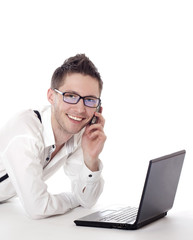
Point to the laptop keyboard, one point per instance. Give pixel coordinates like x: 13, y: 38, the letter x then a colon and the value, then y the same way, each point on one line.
x: 124, y: 215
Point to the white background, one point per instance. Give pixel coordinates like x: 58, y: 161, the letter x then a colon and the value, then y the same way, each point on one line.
x: 144, y: 52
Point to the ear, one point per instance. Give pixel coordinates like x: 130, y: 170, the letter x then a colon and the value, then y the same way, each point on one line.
x: 50, y: 95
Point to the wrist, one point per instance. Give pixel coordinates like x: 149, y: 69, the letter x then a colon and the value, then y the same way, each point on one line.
x: 92, y: 164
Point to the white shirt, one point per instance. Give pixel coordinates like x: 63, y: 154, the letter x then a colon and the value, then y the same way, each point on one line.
x: 26, y: 146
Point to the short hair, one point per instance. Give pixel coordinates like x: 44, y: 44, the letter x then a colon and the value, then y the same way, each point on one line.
x: 80, y: 63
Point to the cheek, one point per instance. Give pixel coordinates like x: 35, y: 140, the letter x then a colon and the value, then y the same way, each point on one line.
x: 59, y: 109
x: 61, y: 106
x: 64, y: 108
x: 90, y: 113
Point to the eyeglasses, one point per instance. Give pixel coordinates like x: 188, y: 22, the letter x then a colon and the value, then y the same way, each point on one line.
x: 74, y: 98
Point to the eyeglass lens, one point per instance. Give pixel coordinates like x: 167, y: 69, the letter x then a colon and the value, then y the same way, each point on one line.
x: 74, y: 98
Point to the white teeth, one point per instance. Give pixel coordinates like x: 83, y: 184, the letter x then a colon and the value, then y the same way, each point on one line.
x: 75, y: 118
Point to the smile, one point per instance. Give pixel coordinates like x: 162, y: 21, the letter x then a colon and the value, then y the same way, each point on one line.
x: 75, y: 118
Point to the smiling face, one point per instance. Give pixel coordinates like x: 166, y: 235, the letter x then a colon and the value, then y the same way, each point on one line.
x: 68, y: 118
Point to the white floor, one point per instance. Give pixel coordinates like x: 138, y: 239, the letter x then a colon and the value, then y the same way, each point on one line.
x: 16, y: 225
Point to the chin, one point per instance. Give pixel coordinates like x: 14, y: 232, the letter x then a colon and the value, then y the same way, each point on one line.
x: 75, y: 130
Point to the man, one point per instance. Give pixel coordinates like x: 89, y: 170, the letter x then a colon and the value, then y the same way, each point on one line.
x: 34, y: 145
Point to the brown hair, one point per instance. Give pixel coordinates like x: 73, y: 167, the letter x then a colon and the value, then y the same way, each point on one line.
x: 77, y: 64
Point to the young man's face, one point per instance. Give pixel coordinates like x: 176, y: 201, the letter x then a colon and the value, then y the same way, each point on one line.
x: 71, y: 118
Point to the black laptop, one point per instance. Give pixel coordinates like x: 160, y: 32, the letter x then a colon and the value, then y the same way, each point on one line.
x: 157, y: 197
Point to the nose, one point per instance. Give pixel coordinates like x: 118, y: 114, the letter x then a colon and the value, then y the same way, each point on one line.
x: 80, y: 106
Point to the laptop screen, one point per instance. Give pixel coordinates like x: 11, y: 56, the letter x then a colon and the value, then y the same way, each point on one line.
x: 160, y: 185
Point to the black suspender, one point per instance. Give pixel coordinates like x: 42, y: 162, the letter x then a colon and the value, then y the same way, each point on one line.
x: 38, y: 114
x: 6, y: 175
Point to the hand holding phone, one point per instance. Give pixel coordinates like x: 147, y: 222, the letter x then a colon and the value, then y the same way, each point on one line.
x: 93, y: 140
x: 95, y: 119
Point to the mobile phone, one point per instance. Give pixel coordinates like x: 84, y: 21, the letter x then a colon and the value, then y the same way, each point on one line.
x: 95, y: 119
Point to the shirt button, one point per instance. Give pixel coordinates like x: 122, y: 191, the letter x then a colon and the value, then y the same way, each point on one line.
x: 47, y: 159
x: 90, y: 175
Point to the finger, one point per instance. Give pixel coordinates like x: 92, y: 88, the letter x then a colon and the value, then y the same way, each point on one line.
x: 95, y: 127
x: 97, y: 134
x: 100, y: 117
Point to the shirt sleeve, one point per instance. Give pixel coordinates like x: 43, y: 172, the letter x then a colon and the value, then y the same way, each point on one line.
x: 26, y: 174
x: 87, y: 186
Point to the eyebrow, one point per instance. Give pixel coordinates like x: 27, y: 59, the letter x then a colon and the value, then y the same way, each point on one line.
x: 70, y: 91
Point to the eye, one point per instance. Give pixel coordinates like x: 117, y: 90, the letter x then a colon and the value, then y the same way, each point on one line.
x: 91, y: 102
x: 71, y: 95
x: 91, y: 99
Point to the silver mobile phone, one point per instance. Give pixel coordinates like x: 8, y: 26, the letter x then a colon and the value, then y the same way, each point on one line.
x: 95, y: 119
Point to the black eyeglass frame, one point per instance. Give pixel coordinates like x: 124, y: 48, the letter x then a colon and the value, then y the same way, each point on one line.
x: 80, y: 97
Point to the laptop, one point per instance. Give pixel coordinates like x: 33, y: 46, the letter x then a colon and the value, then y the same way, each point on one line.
x: 157, y: 197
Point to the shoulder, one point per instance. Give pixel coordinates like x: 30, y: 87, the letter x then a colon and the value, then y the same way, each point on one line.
x: 26, y: 121
x: 23, y: 123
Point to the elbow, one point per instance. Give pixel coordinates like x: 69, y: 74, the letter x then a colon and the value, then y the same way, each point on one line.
x: 34, y: 215
x: 35, y: 211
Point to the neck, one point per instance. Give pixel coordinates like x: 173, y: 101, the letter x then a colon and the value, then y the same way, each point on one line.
x: 61, y: 137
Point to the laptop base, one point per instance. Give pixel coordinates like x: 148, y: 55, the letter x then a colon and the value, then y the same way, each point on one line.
x: 124, y: 226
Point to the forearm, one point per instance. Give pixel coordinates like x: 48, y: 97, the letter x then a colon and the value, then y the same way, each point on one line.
x: 50, y: 205
x: 88, y: 186
x: 26, y: 175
